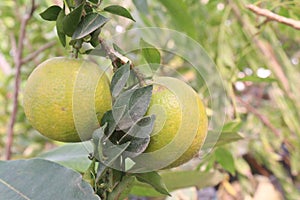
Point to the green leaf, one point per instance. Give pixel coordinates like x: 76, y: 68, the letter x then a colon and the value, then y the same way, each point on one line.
x: 155, y: 180
x: 230, y: 133
x: 97, y: 140
x: 225, y: 159
x: 88, y: 24
x: 90, y: 174
x: 74, y: 156
x: 51, y: 13
x: 118, y: 49
x: 104, y: 150
x: 88, y: 9
x: 119, y: 79
x: 119, y: 10
x: 228, y: 137
x: 95, y: 39
x: 137, y: 102
x: 70, y: 3
x: 139, y: 136
x: 100, y: 171
x: 59, y: 27
x: 122, y: 190
x: 72, y: 20
x: 257, y: 79
x: 179, y: 179
x: 233, y: 126
x: 112, y: 117
x: 42, y: 179
x: 151, y: 54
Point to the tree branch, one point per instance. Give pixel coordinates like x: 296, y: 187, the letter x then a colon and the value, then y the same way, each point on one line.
x: 37, y: 52
x: 274, y: 17
x: 260, y: 116
x: 117, y: 59
x: 265, y: 48
x: 18, y: 63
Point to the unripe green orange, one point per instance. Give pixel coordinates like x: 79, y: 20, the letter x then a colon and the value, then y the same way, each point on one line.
x: 178, y: 114
x: 65, y: 98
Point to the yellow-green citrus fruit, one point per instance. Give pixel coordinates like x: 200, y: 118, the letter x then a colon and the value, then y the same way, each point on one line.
x: 169, y: 110
x: 64, y: 98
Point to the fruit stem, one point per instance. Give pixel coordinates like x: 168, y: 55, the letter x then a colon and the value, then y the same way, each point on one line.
x: 75, y: 53
x: 118, y: 59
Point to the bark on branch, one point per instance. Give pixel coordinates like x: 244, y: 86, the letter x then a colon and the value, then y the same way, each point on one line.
x: 274, y: 17
x: 18, y: 53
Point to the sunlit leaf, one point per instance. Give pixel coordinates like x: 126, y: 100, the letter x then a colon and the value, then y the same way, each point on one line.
x: 42, y: 179
x: 119, y: 10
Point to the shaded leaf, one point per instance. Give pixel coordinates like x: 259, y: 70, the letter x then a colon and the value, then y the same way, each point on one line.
x: 95, y: 39
x: 74, y: 156
x: 100, y: 171
x: 88, y: 24
x: 137, y: 102
x: 112, y: 117
x: 139, y: 136
x: 72, y: 20
x: 155, y: 180
x: 59, y: 27
x: 119, y: 79
x: 94, y: 1
x: 51, y: 13
x: 119, y: 10
x: 179, y: 179
x: 104, y: 150
x: 42, y: 179
x: 88, y: 9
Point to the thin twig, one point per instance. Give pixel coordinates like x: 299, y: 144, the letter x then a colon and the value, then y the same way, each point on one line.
x: 265, y: 48
x: 117, y: 59
x: 18, y: 63
x: 33, y: 55
x: 274, y: 17
x: 263, y: 118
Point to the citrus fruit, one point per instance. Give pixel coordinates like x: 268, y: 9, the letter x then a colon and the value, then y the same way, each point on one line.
x: 64, y: 98
x: 180, y: 114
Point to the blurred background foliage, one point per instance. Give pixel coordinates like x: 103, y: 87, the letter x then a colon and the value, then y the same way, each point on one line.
x: 257, y: 59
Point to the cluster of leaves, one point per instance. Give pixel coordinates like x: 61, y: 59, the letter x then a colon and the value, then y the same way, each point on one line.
x: 83, y: 22
x: 124, y: 134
